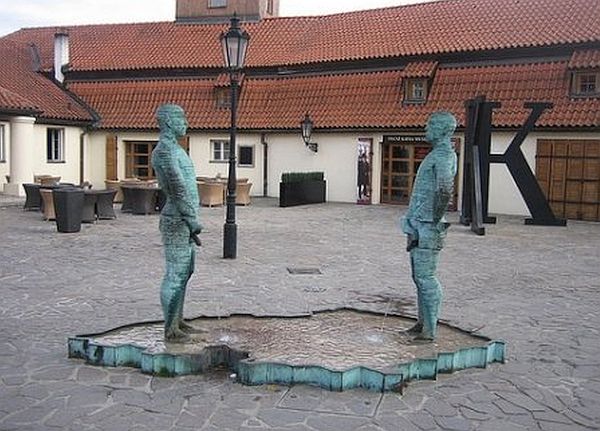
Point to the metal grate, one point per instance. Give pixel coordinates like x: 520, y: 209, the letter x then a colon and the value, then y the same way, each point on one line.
x: 303, y: 271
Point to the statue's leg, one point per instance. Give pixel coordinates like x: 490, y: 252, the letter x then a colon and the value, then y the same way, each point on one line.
x: 429, y: 289
x: 417, y: 328
x: 172, y: 293
x: 180, y: 321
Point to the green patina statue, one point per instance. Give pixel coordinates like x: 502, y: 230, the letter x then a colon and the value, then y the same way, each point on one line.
x: 424, y: 222
x: 179, y: 223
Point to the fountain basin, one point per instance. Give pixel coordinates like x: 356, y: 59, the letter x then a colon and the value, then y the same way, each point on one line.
x: 336, y: 349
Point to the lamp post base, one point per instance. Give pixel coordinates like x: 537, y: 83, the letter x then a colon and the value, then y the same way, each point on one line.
x: 229, y: 241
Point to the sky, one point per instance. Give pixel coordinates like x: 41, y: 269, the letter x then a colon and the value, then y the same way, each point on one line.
x: 16, y: 14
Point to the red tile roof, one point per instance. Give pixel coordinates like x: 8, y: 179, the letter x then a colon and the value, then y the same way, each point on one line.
x: 419, y: 69
x: 583, y: 59
x: 23, y: 89
x: 422, y: 29
x: 353, y: 100
x: 10, y: 101
x: 133, y: 104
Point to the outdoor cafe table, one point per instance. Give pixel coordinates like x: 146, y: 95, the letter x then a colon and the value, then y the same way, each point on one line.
x: 98, y: 204
x: 141, y: 199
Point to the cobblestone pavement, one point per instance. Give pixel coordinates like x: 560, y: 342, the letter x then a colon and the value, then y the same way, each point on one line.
x: 535, y: 287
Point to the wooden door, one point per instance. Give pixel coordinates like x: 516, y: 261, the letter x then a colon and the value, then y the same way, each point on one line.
x: 397, y: 173
x: 569, y: 174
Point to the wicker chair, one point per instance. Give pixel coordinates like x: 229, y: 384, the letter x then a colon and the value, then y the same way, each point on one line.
x: 49, y: 180
x: 242, y: 193
x: 211, y: 194
x: 48, y: 199
x: 115, y: 185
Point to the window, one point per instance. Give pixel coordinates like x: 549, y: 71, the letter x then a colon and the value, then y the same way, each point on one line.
x: 416, y: 90
x: 138, y: 159
x: 2, y: 144
x: 55, y: 145
x: 270, y: 7
x: 585, y: 83
x: 246, y: 156
x: 217, y: 3
x: 223, y: 97
x: 220, y: 150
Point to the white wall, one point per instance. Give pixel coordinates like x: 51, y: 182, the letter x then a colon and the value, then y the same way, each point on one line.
x: 200, y: 152
x: 337, y: 157
x: 5, y: 166
x: 69, y: 170
x: 505, y: 197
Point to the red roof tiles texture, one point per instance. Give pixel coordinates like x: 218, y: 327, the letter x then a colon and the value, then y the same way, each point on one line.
x: 584, y: 59
x: 353, y: 100
x: 429, y: 28
x: 419, y: 69
x: 26, y: 90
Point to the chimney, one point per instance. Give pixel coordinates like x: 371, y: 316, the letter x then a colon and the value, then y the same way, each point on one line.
x: 61, y: 54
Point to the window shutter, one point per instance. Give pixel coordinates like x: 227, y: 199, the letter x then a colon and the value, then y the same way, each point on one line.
x: 185, y: 143
x: 111, y: 157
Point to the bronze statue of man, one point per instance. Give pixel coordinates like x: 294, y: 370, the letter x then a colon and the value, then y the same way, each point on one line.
x: 425, y: 224
x: 179, y: 223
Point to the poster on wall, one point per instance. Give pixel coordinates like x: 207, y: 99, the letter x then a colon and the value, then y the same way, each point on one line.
x: 364, y: 171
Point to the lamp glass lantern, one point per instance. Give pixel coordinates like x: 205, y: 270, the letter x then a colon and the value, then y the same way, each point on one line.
x: 307, y: 127
x: 234, y: 44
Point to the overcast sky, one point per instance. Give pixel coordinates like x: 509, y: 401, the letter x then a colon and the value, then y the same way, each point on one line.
x: 16, y: 14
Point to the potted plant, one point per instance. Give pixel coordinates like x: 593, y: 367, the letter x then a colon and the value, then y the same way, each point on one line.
x: 301, y: 188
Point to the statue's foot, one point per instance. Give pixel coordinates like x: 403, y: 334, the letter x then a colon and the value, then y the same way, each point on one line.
x: 423, y: 338
x: 416, y: 329
x: 176, y: 336
x: 189, y: 329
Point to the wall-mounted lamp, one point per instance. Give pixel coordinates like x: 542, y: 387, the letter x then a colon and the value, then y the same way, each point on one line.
x: 307, y: 127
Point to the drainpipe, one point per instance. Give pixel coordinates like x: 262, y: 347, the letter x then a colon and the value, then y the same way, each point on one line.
x: 263, y: 140
x: 61, y: 54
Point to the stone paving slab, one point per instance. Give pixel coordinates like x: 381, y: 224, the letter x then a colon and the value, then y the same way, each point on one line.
x: 535, y: 287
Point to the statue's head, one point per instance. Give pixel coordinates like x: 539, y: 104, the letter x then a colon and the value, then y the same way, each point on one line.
x: 440, y: 127
x: 172, y: 117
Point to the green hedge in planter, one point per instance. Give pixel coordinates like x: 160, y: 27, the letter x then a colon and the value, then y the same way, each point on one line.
x: 300, y: 188
x: 296, y: 177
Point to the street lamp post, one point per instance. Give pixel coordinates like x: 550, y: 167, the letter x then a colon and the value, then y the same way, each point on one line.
x: 234, y: 43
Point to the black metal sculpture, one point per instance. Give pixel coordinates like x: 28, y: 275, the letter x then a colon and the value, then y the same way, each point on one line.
x: 478, y: 138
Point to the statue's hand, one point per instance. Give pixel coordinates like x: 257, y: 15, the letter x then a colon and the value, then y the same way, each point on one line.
x: 411, y: 242
x: 195, y: 227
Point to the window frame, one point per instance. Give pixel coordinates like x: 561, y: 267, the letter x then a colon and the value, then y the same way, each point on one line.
x: 223, y: 97
x: 2, y: 143
x: 223, y: 153
x: 131, y: 162
x: 55, y: 148
x: 410, y: 89
x: 217, y: 4
x: 239, y: 151
x: 576, y: 83
x: 270, y: 7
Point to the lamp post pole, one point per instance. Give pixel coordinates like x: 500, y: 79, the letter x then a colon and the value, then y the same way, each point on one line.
x: 230, y: 228
x: 234, y: 43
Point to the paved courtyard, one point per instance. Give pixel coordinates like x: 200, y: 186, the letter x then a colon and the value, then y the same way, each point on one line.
x: 538, y: 288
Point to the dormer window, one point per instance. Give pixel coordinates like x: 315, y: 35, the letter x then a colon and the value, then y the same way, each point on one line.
x: 416, y: 90
x: 585, y: 73
x: 223, y: 97
x: 585, y: 83
x: 417, y: 77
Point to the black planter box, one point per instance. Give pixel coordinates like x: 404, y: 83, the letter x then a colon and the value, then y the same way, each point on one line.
x: 68, y: 205
x: 302, y: 193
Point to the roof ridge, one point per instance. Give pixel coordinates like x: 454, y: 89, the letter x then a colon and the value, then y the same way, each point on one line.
x: 421, y: 3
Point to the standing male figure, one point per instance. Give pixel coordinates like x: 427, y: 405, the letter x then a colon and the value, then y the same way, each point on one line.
x: 424, y: 222
x: 178, y: 219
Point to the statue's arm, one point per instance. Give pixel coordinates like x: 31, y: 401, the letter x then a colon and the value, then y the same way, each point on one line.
x: 444, y: 185
x: 180, y: 197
